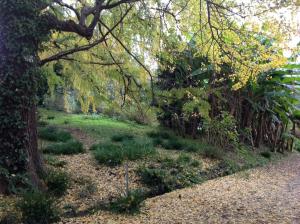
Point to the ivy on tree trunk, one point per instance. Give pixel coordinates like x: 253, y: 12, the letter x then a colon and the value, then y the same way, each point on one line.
x: 21, y: 33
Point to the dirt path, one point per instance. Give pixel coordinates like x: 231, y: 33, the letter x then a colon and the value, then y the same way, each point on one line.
x: 264, y: 195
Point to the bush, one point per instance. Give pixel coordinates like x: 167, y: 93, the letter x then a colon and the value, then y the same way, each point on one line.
x: 136, y: 150
x: 223, y: 168
x: 191, y: 148
x: 222, y: 131
x: 54, y: 134
x: 157, y: 141
x: 65, y: 148
x: 53, y: 161
x: 212, y: 152
x: 162, y: 134
x: 37, y: 208
x: 113, y: 154
x: 266, y: 154
x: 50, y: 117
x: 121, y: 137
x: 42, y: 123
x: 170, y: 174
x: 173, y: 143
x: 128, y: 204
x: 297, y: 144
x: 87, y: 190
x: 108, y: 154
x: 10, y: 218
x: 57, y: 182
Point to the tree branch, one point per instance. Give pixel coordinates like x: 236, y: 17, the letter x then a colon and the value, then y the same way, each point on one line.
x: 84, y: 47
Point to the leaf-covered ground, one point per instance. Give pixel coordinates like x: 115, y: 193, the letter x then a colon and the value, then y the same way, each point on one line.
x: 263, y: 195
x: 250, y: 196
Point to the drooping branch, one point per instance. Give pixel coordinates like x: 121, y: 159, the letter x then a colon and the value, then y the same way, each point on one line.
x: 133, y: 56
x: 92, y: 62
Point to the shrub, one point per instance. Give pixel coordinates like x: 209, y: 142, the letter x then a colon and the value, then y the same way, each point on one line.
x: 222, y: 132
x: 136, y: 150
x: 223, y: 168
x: 184, y: 158
x: 53, y: 161
x: 191, y: 148
x: 212, y: 152
x: 113, y: 154
x: 121, y: 137
x: 65, y: 148
x: 10, y: 218
x: 50, y: 117
x: 266, y: 154
x: 37, y: 208
x: 162, y: 134
x: 170, y: 174
x: 54, y: 134
x: 42, y: 123
x: 87, y: 190
x: 173, y: 143
x: 130, y: 203
x: 108, y: 154
x: 157, y: 141
x: 57, y: 182
x: 297, y: 145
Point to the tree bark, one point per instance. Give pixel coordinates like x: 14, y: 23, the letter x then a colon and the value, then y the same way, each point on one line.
x: 35, y: 163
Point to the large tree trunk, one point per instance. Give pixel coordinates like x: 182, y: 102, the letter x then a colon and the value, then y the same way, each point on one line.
x: 18, y: 131
x: 35, y: 164
x: 21, y: 32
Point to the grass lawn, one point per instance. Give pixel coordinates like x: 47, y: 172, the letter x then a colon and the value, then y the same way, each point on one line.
x: 99, y: 127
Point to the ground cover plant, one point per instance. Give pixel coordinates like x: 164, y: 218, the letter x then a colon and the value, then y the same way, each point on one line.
x: 64, y: 148
x: 129, y: 203
x: 37, y: 207
x: 170, y: 174
x: 54, y: 134
x: 114, y: 154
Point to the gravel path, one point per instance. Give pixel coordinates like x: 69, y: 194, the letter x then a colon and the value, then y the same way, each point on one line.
x: 263, y: 195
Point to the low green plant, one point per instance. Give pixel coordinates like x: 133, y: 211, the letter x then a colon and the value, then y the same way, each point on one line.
x: 157, y: 141
x: 212, y: 152
x: 170, y: 174
x: 173, y: 143
x: 266, y: 154
x: 134, y: 150
x: 114, y: 154
x: 65, y: 148
x: 108, y: 154
x: 223, y: 168
x: 222, y: 131
x: 54, y: 134
x: 159, y: 134
x: 37, y: 207
x: 87, y: 190
x: 130, y: 203
x: 297, y: 145
x: 53, y: 161
x: 191, y: 148
x: 57, y: 182
x: 50, y: 117
x: 10, y: 218
x: 121, y: 137
x: 42, y: 123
